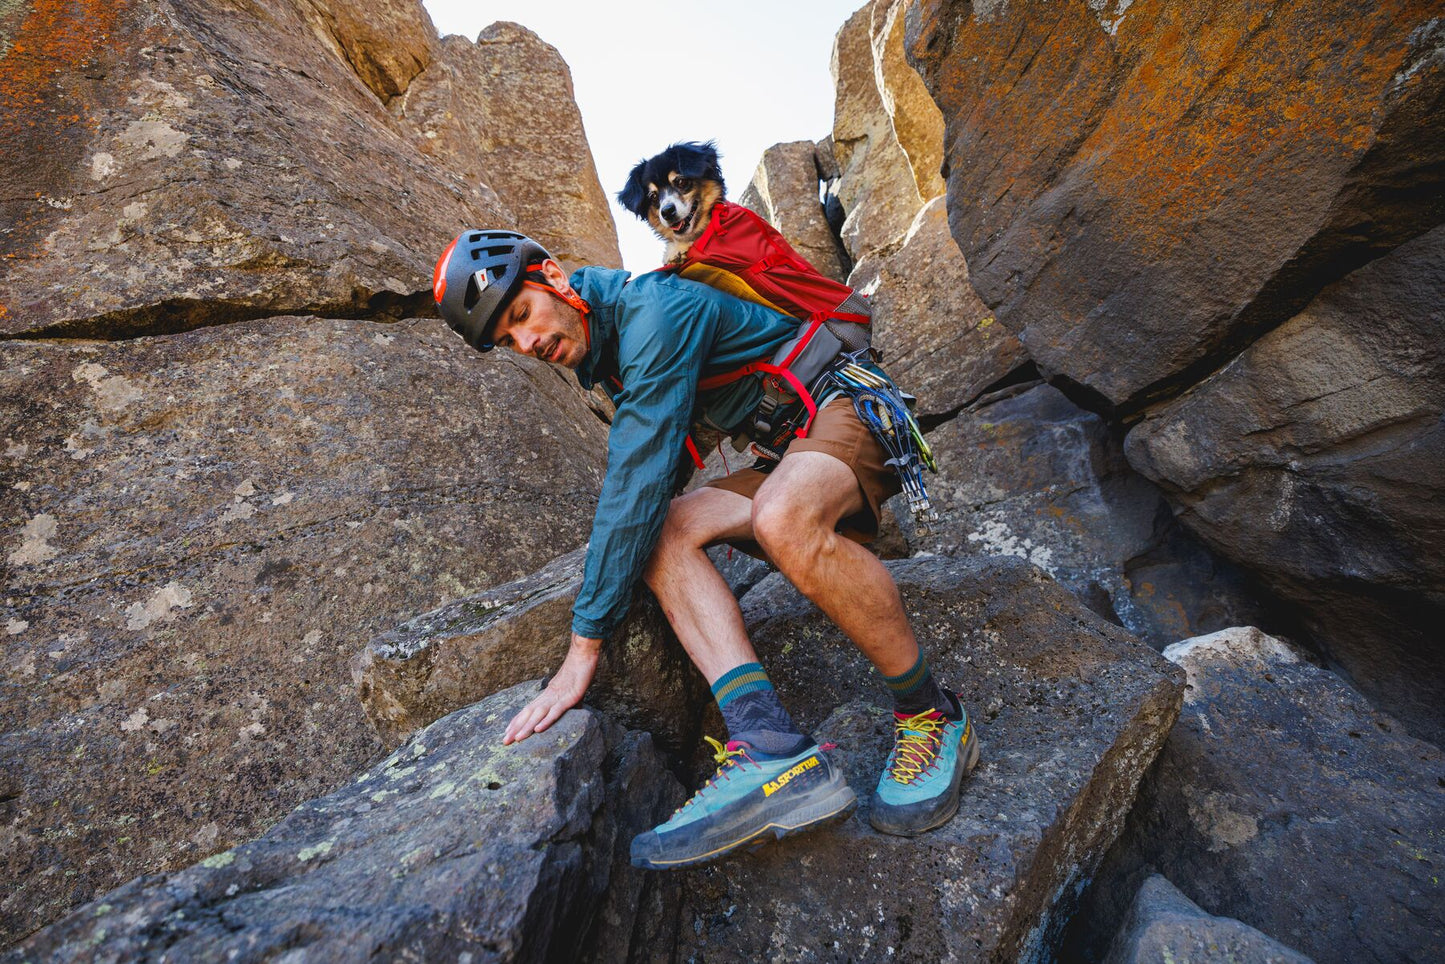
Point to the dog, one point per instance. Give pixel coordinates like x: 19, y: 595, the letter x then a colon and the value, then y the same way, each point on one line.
x: 674, y: 192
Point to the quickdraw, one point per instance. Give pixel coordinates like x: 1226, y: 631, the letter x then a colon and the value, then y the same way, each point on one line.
x: 885, y: 410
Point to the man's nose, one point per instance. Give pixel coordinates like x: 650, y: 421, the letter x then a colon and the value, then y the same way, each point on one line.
x: 525, y: 341
x: 669, y: 210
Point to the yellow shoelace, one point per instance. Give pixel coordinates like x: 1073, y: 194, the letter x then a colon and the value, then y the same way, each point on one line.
x: 725, y: 758
x: 918, y: 739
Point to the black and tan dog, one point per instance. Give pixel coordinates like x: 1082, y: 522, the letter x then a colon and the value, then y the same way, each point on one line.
x: 675, y: 192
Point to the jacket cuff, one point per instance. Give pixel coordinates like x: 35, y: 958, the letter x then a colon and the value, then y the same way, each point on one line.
x: 590, y: 628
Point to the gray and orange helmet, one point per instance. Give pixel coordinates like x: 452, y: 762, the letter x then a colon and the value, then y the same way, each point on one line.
x: 476, y: 277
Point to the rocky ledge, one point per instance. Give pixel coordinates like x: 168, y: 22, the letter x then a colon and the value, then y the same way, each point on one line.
x: 452, y: 847
x: 1070, y: 709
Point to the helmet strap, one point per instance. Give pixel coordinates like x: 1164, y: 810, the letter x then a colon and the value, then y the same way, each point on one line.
x: 570, y: 297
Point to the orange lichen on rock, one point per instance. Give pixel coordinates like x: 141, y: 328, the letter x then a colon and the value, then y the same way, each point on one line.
x: 55, y: 39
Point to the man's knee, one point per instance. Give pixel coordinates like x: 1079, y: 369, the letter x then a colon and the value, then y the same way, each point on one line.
x: 685, y: 528
x: 789, y: 529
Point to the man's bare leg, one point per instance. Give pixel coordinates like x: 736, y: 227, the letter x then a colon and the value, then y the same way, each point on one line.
x: 794, y: 515
x: 745, y: 805
x: 695, y: 597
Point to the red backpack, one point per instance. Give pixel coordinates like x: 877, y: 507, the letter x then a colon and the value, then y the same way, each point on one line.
x: 743, y: 255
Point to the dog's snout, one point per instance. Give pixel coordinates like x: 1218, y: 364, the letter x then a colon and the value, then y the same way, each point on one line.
x: 669, y: 211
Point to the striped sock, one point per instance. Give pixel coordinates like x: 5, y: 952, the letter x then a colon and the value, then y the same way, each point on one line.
x: 916, y: 691
x: 750, y: 705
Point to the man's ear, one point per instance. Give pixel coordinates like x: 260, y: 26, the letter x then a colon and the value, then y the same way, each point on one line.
x: 555, y: 276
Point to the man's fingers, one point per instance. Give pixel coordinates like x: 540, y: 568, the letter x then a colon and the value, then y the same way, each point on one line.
x: 521, y: 726
x: 536, y: 716
x: 553, y: 714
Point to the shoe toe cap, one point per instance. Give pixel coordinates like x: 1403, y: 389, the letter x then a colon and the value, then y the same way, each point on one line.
x: 645, y: 847
x: 912, y: 816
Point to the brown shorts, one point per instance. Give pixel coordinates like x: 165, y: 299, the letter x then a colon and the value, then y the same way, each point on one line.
x: 838, y: 432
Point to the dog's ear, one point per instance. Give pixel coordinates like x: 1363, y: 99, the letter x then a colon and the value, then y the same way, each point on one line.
x: 633, y: 195
x: 698, y: 160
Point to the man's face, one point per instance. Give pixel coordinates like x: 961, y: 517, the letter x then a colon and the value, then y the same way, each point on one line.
x: 542, y: 325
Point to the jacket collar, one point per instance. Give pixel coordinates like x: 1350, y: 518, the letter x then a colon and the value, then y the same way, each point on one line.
x: 601, y: 288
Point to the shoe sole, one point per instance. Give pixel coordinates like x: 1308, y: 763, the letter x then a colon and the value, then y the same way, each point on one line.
x: 973, y: 750
x: 833, y: 809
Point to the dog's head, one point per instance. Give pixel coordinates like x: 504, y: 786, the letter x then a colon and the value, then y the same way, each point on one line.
x: 675, y: 191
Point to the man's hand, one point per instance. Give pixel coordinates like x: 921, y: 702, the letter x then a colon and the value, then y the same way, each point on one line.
x: 562, y: 693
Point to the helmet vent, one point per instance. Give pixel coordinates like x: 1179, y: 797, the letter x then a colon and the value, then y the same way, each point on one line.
x: 474, y: 292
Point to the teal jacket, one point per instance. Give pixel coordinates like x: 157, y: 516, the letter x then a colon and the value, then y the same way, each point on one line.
x: 657, y: 335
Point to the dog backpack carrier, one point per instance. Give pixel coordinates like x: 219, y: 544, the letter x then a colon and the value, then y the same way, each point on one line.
x: 743, y: 255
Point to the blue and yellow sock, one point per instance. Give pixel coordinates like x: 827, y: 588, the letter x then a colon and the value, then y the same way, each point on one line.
x: 916, y: 691
x: 752, y: 711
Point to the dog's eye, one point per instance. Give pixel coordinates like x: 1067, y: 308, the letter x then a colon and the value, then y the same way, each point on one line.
x: 683, y: 183
x: 652, y: 199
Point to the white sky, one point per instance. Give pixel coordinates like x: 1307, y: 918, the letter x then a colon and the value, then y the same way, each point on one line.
x: 747, y: 74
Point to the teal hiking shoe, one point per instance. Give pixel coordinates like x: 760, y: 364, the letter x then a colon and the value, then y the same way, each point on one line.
x: 919, y: 788
x: 752, y: 798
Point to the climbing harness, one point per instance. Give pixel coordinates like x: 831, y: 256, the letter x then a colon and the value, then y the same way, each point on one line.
x: 741, y: 254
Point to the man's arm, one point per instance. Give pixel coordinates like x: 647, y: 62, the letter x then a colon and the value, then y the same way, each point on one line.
x: 662, y: 349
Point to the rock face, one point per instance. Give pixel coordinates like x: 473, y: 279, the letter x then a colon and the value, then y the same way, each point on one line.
x: 458, y: 654
x: 388, y: 43
x: 938, y: 340
x: 453, y: 847
x: 784, y: 192
x: 1164, y: 926
x: 916, y: 120
x: 877, y: 187
x: 1027, y: 473
x: 1315, y: 458
x: 1282, y: 799
x: 158, y: 189
x: 1204, y: 173
x: 1225, y: 220
x: 1070, y: 710
x: 502, y: 111
x: 202, y: 529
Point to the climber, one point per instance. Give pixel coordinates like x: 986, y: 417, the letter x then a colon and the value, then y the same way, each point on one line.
x: 648, y: 341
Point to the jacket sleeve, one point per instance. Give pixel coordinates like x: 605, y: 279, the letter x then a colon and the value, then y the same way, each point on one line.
x: 661, y: 349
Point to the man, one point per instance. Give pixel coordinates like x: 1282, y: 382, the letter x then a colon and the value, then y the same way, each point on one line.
x: 650, y: 340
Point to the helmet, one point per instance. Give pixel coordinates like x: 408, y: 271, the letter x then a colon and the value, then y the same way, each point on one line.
x: 476, y: 277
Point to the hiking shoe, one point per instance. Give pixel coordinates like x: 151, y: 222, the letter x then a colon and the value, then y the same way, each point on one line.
x: 919, y: 788
x: 752, y: 798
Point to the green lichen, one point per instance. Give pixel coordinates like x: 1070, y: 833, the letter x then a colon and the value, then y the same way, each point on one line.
x: 217, y: 861
x: 307, y: 853
x: 487, y: 775
x: 443, y: 790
